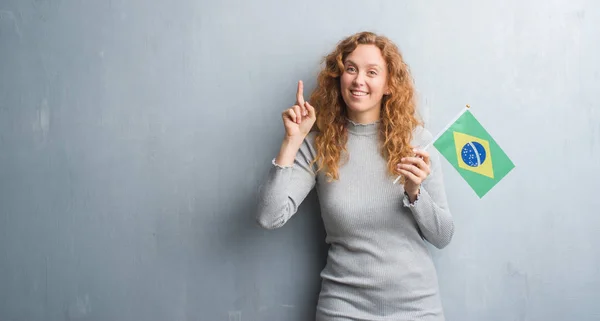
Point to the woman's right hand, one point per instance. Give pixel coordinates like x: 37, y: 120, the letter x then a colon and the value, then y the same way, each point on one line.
x: 300, y: 118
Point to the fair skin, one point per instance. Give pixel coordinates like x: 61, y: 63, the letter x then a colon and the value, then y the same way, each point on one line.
x: 363, y: 85
x: 415, y: 169
x: 297, y: 120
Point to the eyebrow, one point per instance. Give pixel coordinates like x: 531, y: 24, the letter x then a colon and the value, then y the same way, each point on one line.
x: 370, y: 65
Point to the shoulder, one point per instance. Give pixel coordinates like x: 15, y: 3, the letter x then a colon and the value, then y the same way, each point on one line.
x: 308, y: 145
x: 310, y: 138
x: 421, y: 136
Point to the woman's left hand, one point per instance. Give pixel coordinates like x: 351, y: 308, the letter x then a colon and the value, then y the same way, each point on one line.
x: 415, y: 170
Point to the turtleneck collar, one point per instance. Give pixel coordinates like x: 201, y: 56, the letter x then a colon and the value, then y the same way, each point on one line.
x: 363, y: 129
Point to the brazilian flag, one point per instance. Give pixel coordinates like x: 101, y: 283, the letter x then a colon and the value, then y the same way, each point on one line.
x: 473, y: 153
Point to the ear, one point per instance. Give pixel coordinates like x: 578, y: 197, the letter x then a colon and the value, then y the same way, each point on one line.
x: 386, y: 90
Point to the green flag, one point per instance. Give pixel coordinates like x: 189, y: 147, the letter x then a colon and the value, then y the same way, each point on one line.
x: 473, y: 153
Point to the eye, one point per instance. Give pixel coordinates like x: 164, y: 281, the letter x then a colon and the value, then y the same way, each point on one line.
x: 350, y: 69
x: 373, y: 72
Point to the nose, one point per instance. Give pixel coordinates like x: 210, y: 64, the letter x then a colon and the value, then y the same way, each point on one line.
x: 359, y: 80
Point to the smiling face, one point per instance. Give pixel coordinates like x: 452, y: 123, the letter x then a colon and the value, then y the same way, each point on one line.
x: 364, y: 83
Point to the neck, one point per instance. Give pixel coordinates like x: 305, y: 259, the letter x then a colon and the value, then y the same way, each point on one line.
x: 366, y: 117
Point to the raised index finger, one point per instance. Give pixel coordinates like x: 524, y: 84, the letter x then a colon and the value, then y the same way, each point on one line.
x: 300, y: 94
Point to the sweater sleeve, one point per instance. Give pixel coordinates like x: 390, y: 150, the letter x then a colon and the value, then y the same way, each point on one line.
x: 430, y: 209
x: 286, y: 187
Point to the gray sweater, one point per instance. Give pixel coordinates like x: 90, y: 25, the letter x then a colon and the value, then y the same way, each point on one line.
x: 378, y: 265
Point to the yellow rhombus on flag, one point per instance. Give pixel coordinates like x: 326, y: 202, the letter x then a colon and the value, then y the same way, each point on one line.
x: 473, y: 153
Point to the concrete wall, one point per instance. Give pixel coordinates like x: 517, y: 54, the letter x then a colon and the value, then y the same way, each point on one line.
x: 134, y: 135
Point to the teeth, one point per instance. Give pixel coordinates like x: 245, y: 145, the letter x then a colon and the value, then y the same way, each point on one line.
x: 359, y: 93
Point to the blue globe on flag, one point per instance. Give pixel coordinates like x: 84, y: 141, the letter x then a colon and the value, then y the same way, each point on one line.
x: 473, y: 154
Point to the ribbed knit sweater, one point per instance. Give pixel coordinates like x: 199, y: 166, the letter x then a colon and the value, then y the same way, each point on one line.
x: 378, y: 265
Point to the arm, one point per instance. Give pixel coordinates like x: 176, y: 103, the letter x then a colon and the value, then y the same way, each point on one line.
x: 290, y: 179
x: 430, y: 209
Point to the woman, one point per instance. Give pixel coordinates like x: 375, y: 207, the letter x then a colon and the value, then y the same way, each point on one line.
x: 378, y: 265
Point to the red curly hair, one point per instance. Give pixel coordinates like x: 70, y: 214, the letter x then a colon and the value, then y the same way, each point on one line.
x: 398, y: 119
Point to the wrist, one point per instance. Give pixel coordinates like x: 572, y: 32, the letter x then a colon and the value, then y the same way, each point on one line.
x: 412, y: 194
x: 293, y: 141
x: 289, y: 149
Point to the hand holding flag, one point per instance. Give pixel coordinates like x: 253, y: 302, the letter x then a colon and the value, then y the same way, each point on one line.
x: 472, y: 152
x: 415, y: 169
